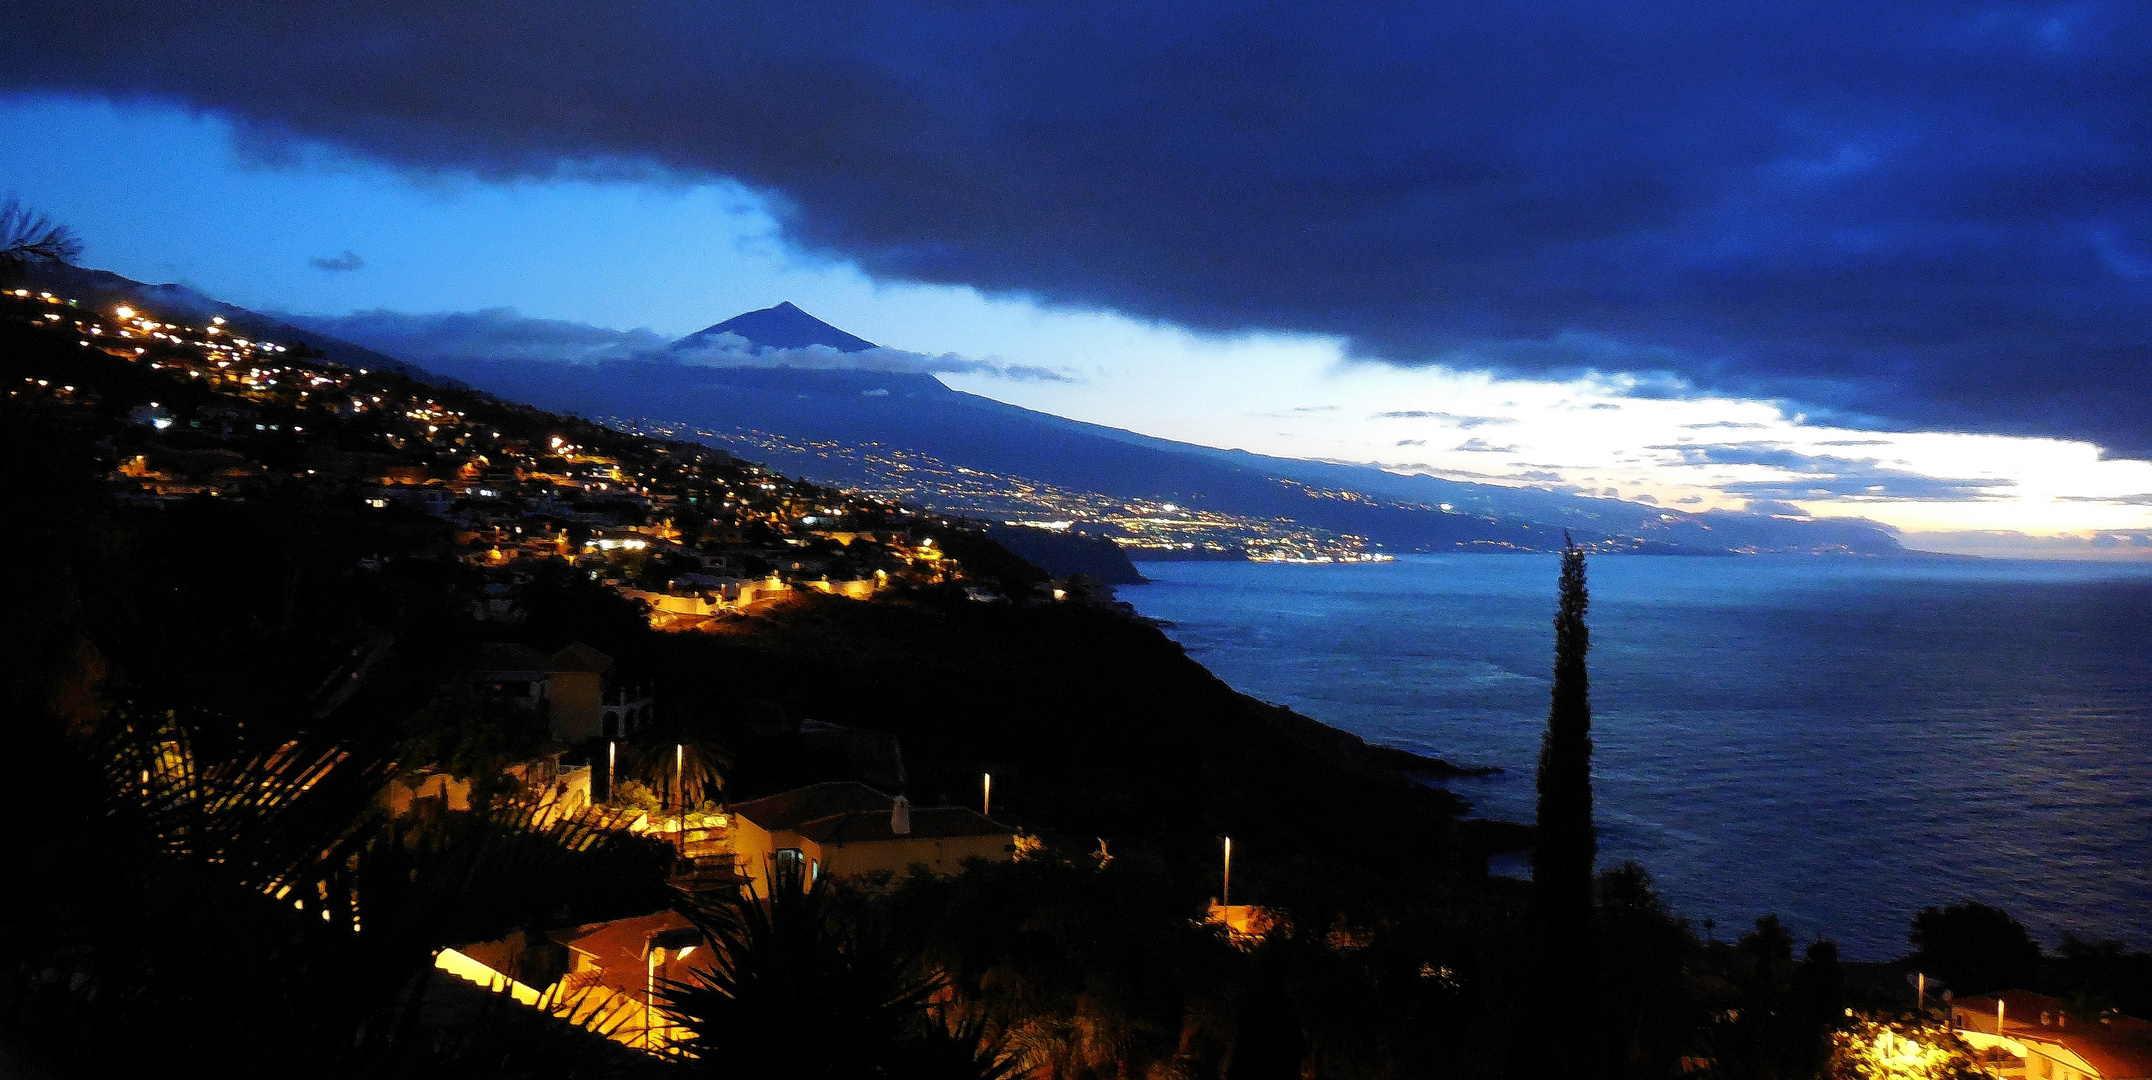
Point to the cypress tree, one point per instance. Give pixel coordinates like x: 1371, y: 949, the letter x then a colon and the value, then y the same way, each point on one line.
x: 1562, y: 858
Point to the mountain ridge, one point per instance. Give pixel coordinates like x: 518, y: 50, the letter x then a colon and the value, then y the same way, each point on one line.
x: 784, y: 326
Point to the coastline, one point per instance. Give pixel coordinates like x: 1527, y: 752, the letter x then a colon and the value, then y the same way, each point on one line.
x: 1744, y: 708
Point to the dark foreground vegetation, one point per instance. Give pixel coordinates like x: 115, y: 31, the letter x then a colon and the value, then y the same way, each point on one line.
x: 204, y: 698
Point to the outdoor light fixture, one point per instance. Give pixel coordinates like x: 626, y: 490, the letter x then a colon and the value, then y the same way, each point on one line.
x: 682, y: 940
x: 1225, y: 897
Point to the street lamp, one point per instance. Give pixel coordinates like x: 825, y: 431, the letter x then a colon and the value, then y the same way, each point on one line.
x: 1226, y: 893
x: 682, y: 941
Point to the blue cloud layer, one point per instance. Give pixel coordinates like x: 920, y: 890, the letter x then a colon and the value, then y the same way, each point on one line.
x: 449, y: 340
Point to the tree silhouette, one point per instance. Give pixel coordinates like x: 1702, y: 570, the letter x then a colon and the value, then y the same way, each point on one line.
x: 1562, y: 858
x: 1974, y: 948
x: 798, y: 987
x: 27, y: 237
x: 1270, y: 1043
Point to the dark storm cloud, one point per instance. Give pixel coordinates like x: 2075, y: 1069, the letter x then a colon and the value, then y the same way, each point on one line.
x: 1925, y: 213
x: 1775, y: 509
x: 492, y: 334
x: 1873, y: 485
x: 2017, y: 545
x: 1824, y: 478
x: 734, y: 351
x: 2144, y: 499
x: 1452, y: 419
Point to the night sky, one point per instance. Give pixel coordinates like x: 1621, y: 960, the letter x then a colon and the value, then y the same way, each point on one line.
x: 1892, y: 260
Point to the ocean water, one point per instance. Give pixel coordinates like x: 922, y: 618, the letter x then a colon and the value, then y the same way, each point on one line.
x: 1838, y: 741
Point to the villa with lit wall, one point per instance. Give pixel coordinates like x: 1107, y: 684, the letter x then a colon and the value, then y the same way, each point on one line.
x: 573, y: 690
x: 848, y: 829
x: 2049, y: 1042
x: 602, y: 976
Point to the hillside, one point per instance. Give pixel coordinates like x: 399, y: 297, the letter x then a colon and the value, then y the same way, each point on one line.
x: 1098, y: 721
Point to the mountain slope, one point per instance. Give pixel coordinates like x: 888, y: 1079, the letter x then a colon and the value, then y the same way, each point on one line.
x: 103, y: 290
x: 918, y: 413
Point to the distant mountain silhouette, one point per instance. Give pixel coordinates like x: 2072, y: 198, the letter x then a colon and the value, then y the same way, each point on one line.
x: 782, y: 327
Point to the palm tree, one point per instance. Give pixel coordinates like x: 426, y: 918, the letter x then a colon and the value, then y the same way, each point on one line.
x: 682, y: 773
x: 28, y: 237
x: 953, y: 1049
x: 796, y: 987
x: 800, y: 986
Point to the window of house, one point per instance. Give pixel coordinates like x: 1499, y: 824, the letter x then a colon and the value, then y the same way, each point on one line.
x: 789, y: 870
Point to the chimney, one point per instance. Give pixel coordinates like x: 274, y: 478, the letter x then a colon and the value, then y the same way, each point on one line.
x: 900, y: 816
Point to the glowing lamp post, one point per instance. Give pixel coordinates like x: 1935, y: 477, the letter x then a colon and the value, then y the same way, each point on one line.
x: 680, y: 790
x: 682, y: 941
x: 1225, y: 898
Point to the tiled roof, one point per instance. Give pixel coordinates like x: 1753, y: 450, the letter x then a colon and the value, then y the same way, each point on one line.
x: 929, y: 823
x: 2120, y: 1047
x: 792, y: 808
x: 503, y: 658
x: 580, y: 657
